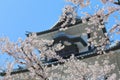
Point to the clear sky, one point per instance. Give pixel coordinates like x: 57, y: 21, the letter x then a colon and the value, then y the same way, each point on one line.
x: 19, y: 16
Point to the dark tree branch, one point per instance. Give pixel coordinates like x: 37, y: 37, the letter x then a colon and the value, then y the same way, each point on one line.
x: 118, y: 2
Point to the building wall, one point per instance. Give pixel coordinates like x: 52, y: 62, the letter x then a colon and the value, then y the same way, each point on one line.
x: 113, y: 57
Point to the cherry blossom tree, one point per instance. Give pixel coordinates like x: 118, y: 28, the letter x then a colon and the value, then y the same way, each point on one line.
x: 23, y: 51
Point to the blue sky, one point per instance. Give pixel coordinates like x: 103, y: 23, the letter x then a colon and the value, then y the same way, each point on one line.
x: 19, y: 16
